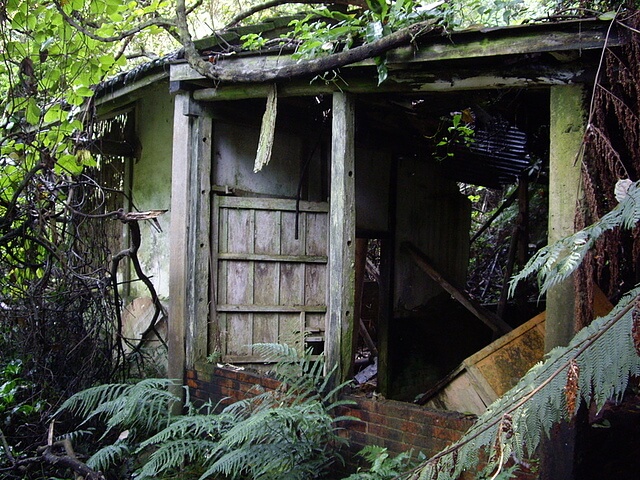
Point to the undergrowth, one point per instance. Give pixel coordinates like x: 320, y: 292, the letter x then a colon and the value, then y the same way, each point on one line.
x: 287, y: 433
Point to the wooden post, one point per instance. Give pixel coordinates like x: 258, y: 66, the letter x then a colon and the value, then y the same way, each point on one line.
x: 199, y: 241
x: 189, y: 237
x: 566, y: 133
x: 178, y: 239
x: 342, y: 240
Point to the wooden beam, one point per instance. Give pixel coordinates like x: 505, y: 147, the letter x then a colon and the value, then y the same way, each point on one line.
x: 363, y: 80
x: 477, y: 44
x: 490, y: 319
x: 490, y: 42
x: 342, y: 240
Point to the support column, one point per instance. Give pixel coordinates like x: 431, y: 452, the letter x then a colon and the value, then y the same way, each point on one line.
x: 342, y: 239
x: 189, y: 236
x: 178, y: 238
x: 566, y: 133
x: 199, y: 250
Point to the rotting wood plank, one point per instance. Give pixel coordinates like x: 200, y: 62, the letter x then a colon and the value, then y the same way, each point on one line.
x: 499, y: 42
x: 262, y: 298
x: 254, y: 257
x: 214, y: 344
x: 494, y: 322
x: 342, y: 236
x: 245, y: 307
x: 579, y: 36
x: 410, y: 81
x: 199, y: 247
x: 279, y: 204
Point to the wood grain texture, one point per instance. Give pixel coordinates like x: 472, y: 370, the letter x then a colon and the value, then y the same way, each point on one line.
x: 268, y: 282
x: 342, y: 232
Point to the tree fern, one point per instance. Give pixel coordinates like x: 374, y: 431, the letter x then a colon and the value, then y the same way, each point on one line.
x: 283, y: 434
x: 108, y: 456
x: 585, y: 370
x: 556, y: 262
x: 143, y: 405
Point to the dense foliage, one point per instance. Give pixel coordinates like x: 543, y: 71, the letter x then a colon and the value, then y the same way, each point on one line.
x: 274, y: 434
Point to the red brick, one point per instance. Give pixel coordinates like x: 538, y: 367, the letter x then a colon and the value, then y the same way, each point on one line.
x: 192, y: 383
x: 447, y: 434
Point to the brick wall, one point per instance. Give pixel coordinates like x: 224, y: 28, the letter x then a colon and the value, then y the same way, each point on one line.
x: 225, y: 385
x: 398, y: 426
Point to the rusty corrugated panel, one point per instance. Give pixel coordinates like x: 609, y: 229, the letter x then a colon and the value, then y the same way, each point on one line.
x: 496, y: 157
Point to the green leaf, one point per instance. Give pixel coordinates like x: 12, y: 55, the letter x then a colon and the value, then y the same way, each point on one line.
x: 32, y: 113
x: 607, y: 16
x: 84, y: 92
x: 54, y: 114
x: 383, y: 72
x: 379, y: 7
x: 374, y: 32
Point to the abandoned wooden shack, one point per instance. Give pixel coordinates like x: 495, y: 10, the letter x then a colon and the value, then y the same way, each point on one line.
x: 279, y: 253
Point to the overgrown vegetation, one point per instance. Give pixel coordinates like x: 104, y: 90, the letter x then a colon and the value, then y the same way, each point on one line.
x: 59, y: 314
x: 285, y: 433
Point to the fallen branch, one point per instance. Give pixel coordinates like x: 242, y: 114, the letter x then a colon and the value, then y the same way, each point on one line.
x: 68, y: 460
x: 311, y: 67
x: 275, y: 3
x: 48, y: 454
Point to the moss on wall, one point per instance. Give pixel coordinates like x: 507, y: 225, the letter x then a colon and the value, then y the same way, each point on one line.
x: 152, y: 184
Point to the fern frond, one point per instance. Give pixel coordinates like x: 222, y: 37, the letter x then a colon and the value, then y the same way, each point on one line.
x: 76, y: 435
x: 173, y: 454
x: 556, y: 262
x: 108, y: 456
x: 143, y: 406
x: 84, y: 402
x: 193, y: 426
x: 536, y: 403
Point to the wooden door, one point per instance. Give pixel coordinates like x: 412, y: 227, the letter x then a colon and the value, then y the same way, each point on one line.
x: 269, y: 286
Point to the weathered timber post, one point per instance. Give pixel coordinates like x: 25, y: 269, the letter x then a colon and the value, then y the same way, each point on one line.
x: 189, y: 237
x: 178, y: 239
x: 567, y: 130
x: 566, y: 134
x: 342, y: 239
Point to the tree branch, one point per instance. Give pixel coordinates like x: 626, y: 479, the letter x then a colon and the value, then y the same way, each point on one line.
x: 6, y: 448
x: 69, y: 461
x: 157, y: 21
x: 131, y: 219
x: 275, y: 3
x: 310, y: 67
